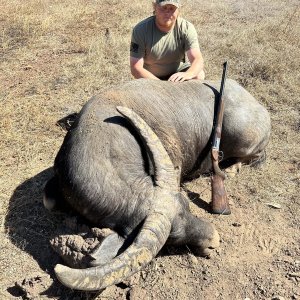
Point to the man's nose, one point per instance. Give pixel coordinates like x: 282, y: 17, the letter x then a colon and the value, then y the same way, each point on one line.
x: 169, y: 12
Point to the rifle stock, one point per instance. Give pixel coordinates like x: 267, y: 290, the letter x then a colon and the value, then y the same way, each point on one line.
x: 219, y: 201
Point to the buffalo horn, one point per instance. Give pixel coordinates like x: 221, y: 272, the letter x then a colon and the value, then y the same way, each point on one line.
x: 165, y: 174
x: 149, y: 241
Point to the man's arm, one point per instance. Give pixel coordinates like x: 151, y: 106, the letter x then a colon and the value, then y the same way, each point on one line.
x: 138, y: 70
x: 197, y: 63
x: 196, y: 68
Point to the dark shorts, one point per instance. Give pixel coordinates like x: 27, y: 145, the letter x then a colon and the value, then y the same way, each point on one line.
x: 168, y: 76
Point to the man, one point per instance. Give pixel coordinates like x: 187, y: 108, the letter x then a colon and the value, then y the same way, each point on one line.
x: 165, y: 46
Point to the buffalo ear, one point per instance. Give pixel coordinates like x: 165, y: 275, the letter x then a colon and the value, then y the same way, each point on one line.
x: 67, y: 122
x: 112, y: 246
x: 109, y: 248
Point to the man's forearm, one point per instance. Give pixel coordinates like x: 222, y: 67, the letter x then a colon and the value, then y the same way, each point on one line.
x: 142, y: 73
x: 196, y: 67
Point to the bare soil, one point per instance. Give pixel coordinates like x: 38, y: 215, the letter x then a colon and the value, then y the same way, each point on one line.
x: 54, y: 55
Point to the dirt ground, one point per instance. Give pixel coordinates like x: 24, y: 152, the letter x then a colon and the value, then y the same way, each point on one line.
x: 54, y: 55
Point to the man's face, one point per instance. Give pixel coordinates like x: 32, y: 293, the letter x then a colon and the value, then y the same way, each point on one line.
x: 166, y: 15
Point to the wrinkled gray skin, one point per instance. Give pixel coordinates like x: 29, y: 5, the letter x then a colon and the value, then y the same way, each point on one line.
x: 105, y: 172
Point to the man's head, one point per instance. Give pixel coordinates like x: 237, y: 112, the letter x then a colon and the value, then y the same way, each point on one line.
x: 166, y: 12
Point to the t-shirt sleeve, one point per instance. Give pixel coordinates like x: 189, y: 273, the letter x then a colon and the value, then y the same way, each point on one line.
x: 137, y: 44
x: 191, y: 37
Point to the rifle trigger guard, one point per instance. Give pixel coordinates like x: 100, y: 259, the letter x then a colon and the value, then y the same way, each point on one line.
x: 221, y: 155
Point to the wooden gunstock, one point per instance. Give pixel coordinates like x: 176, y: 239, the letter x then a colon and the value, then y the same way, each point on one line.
x: 219, y: 203
x: 219, y: 200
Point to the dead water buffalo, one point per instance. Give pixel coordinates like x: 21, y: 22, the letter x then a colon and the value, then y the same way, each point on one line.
x: 123, y: 159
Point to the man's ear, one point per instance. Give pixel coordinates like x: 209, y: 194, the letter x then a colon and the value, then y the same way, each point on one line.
x: 154, y: 6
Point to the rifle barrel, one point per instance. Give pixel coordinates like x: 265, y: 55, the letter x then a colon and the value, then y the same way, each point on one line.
x: 220, y: 111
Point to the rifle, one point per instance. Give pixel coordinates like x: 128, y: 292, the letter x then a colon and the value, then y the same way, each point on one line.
x: 219, y: 202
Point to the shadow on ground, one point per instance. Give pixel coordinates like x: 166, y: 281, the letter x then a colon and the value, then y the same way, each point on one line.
x: 195, y: 198
x: 30, y: 227
x: 27, y: 223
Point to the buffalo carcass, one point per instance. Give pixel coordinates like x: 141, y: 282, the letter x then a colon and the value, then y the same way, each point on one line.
x: 121, y: 164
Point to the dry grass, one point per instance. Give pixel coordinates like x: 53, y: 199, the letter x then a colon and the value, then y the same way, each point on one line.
x: 54, y: 55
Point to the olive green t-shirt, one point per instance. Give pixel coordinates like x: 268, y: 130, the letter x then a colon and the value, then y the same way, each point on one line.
x: 164, y: 53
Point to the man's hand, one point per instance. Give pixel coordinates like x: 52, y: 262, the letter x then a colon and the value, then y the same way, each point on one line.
x: 180, y: 77
x: 195, y: 71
